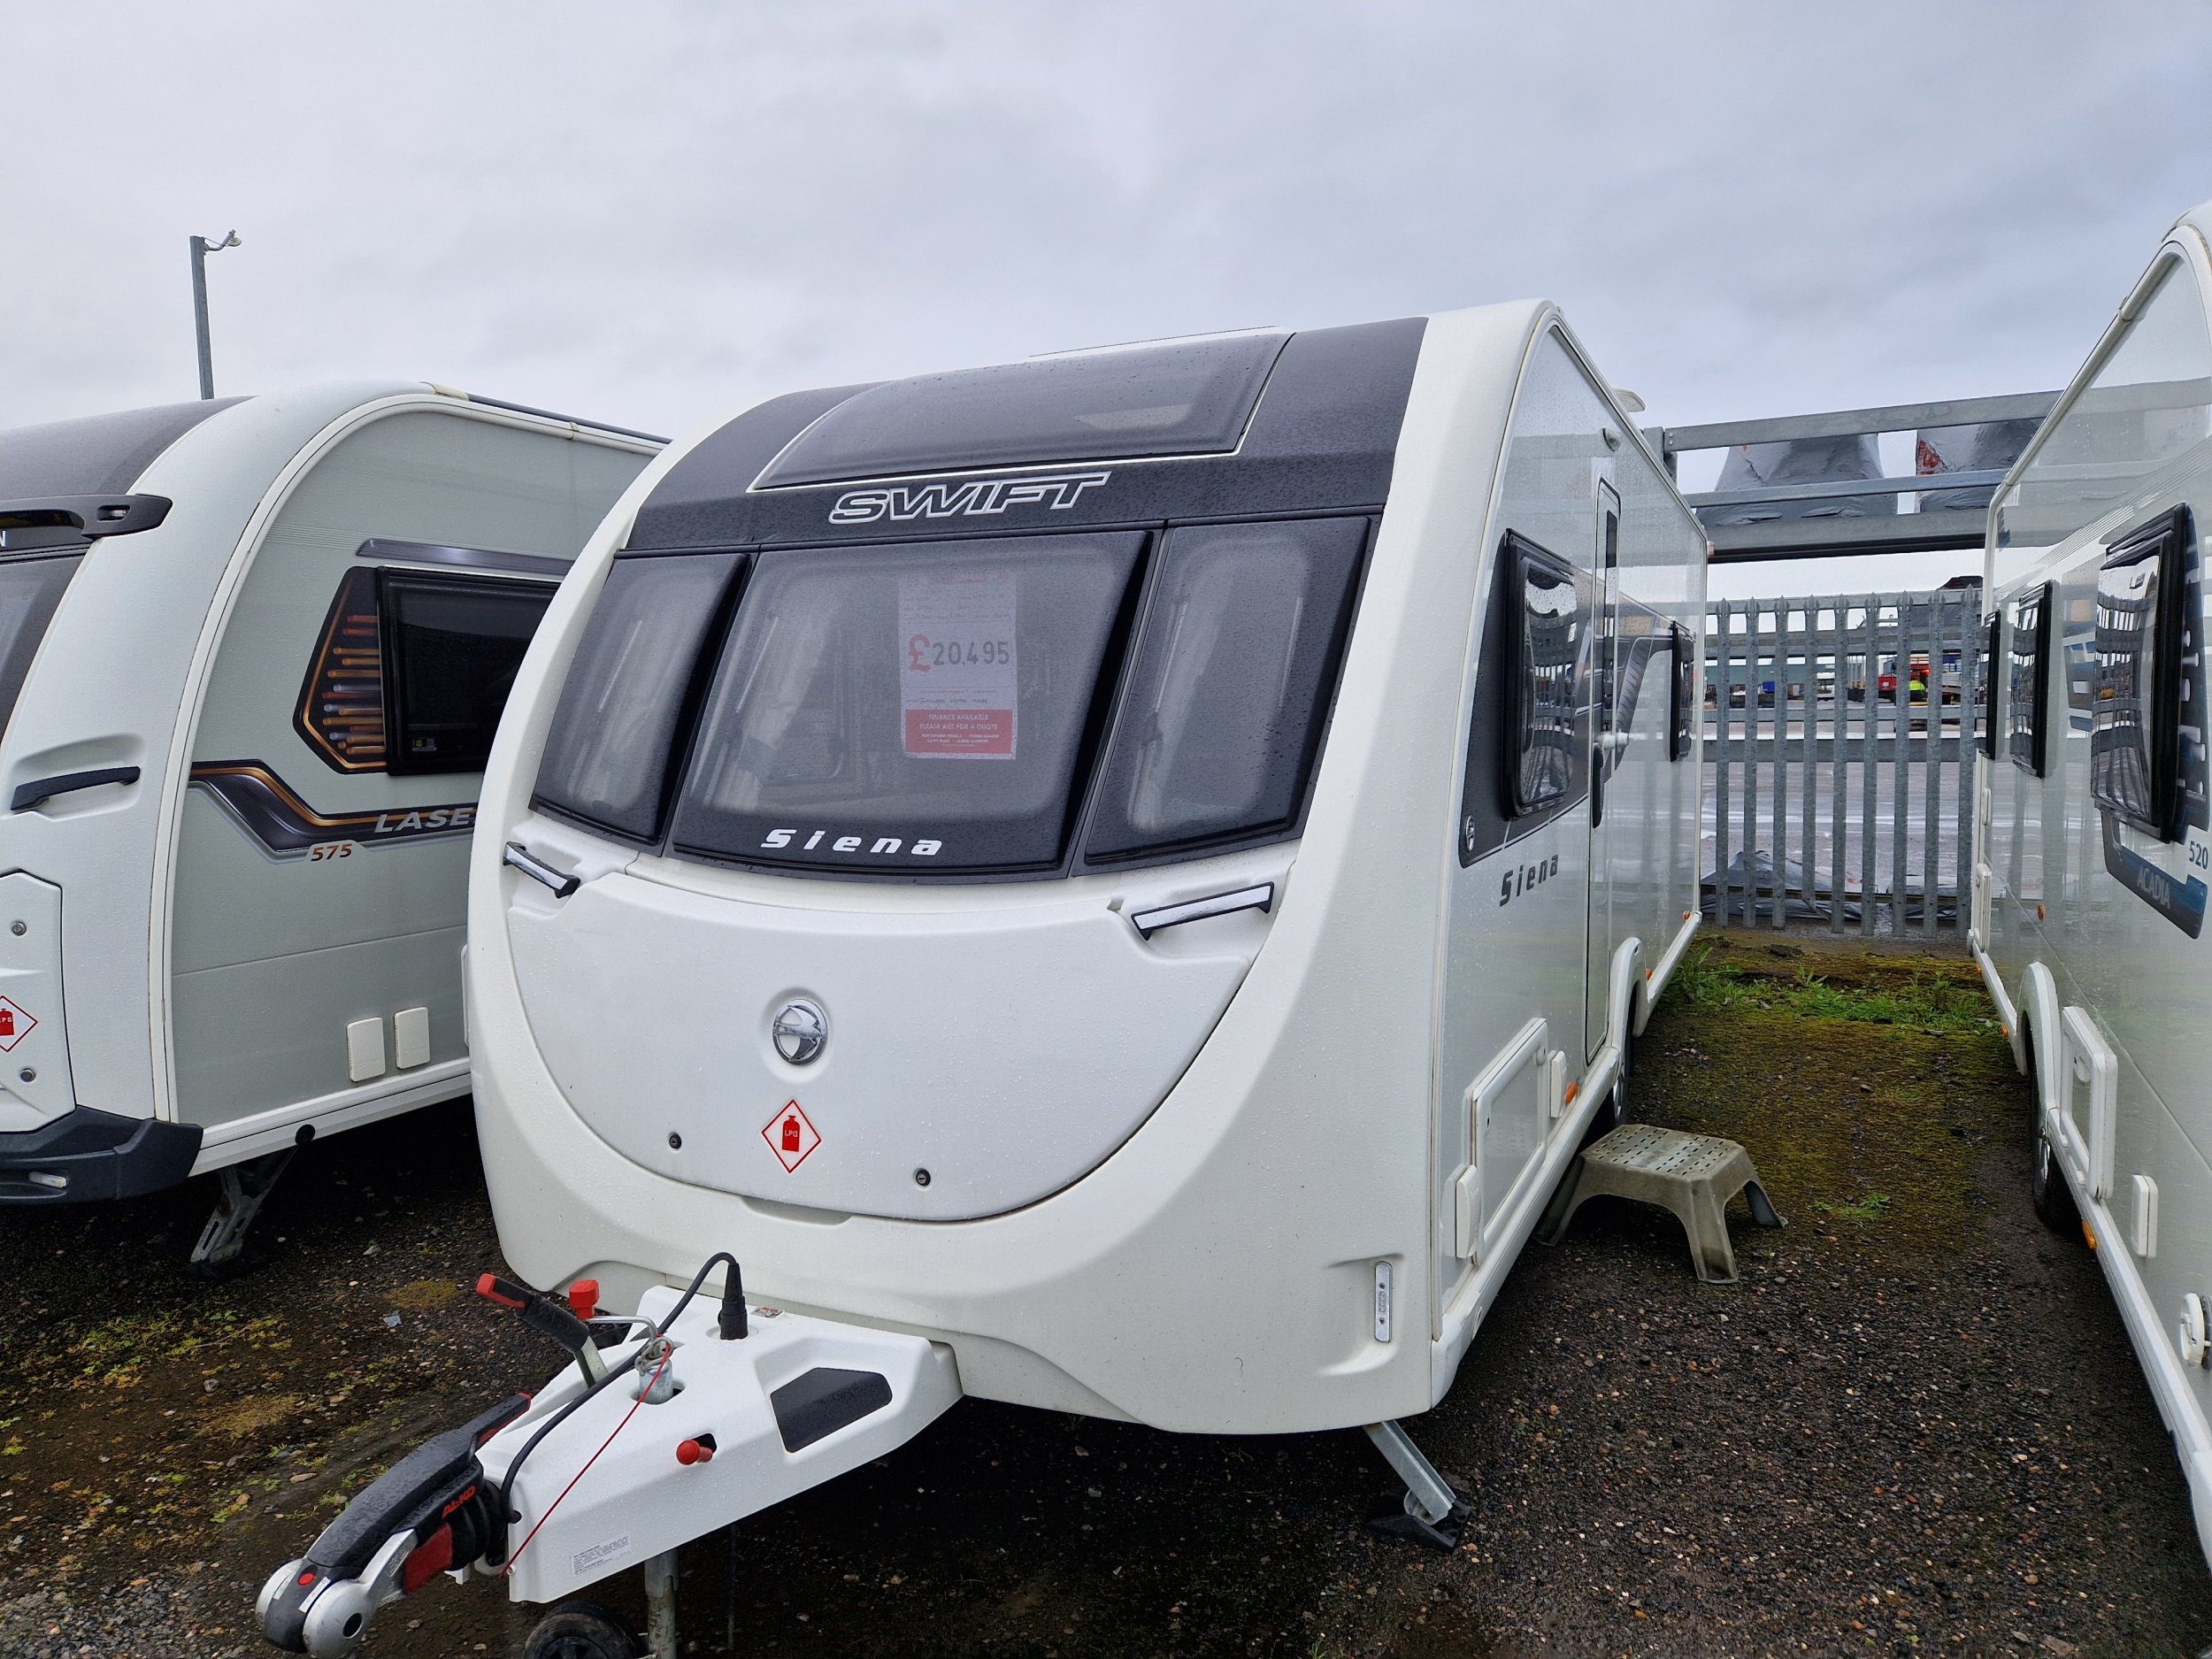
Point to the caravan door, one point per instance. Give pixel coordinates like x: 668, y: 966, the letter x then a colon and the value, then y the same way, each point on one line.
x: 1604, y: 739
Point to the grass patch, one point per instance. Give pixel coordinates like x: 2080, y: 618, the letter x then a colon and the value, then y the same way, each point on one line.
x: 1921, y: 1001
x: 1867, y: 1208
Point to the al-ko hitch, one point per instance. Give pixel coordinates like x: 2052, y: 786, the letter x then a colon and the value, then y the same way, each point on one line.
x: 672, y: 1422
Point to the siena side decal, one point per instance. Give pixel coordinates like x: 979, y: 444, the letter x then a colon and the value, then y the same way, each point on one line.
x: 268, y: 809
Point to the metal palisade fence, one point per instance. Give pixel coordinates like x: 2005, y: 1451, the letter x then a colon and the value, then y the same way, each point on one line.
x: 1840, y: 740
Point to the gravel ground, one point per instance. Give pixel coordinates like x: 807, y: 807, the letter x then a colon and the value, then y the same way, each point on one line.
x: 1915, y: 1426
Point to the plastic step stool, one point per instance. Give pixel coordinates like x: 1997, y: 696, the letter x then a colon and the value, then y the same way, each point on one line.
x: 1694, y: 1176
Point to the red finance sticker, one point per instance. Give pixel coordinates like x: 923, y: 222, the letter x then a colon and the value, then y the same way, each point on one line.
x: 958, y: 681
x: 790, y: 1135
x: 15, y: 1023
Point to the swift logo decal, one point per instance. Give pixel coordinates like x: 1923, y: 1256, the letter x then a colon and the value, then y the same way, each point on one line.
x: 267, y: 808
x: 902, y: 503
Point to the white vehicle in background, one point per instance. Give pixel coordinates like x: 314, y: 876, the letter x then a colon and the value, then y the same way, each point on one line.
x: 252, y: 653
x: 2094, y: 843
x: 1116, y: 883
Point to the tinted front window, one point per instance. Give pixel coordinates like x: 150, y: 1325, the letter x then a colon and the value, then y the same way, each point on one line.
x: 452, y: 648
x: 910, y: 709
x: 607, y: 754
x: 1189, y: 397
x: 1230, y: 688
x: 30, y: 592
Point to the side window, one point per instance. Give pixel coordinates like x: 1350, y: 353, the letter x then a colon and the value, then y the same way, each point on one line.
x: 1681, y: 735
x: 2024, y: 676
x: 452, y: 647
x: 1550, y: 628
x: 2134, y: 748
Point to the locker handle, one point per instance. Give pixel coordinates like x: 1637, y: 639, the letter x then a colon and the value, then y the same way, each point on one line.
x: 40, y: 791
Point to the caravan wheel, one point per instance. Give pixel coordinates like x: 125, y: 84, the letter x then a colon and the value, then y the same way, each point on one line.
x: 1614, y: 1112
x: 2054, y: 1199
x: 580, y: 1629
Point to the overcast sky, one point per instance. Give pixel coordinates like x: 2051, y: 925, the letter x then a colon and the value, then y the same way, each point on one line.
x: 653, y: 214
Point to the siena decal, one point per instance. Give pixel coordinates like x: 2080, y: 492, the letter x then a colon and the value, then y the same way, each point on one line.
x: 267, y: 808
x: 982, y: 496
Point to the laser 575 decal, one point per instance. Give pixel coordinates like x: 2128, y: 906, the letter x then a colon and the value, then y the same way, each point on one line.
x: 267, y: 808
x: 975, y: 499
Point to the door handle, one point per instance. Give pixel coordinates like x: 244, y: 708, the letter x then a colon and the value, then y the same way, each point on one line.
x: 560, y: 881
x: 40, y: 791
x: 1256, y: 898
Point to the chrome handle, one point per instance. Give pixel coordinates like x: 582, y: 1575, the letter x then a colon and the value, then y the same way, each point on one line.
x: 1259, y: 898
x: 562, y: 883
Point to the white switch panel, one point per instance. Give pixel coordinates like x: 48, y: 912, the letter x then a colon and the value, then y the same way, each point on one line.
x: 410, y: 1038
x: 365, y: 1049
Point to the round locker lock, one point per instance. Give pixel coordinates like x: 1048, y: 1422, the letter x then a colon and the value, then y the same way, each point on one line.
x: 2189, y: 1332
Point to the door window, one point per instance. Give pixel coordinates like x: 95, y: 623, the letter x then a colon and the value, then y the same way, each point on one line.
x: 2030, y: 646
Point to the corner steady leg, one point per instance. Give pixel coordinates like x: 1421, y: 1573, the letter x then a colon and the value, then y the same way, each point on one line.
x: 660, y: 1605
x: 1434, y: 1514
x: 220, y: 1252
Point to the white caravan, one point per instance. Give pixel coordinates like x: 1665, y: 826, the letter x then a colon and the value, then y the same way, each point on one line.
x: 1115, y: 882
x: 2094, y: 843
x: 252, y: 652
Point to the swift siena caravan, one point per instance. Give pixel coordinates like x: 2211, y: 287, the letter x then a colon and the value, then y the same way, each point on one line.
x: 251, y: 656
x: 1115, y: 882
x: 2095, y: 841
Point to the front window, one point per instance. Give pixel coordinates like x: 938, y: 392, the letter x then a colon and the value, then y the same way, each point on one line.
x: 30, y: 593
x: 1231, y: 685
x: 910, y: 710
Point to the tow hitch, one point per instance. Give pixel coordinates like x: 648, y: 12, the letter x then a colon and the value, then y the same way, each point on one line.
x: 693, y: 1416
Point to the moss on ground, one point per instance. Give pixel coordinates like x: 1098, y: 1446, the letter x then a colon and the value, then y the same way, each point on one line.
x: 1861, y: 1084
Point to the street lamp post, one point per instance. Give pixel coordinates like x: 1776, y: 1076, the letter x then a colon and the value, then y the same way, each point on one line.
x: 201, y: 248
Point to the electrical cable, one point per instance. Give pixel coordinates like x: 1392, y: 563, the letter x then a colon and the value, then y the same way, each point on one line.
x: 507, y: 1481
x: 509, y: 1566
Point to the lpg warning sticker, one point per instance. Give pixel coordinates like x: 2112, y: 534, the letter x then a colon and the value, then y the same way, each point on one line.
x: 15, y: 1023
x: 956, y: 669
x: 791, y: 1136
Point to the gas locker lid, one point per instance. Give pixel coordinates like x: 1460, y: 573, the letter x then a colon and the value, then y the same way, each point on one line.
x: 35, y: 1082
x: 971, y: 1059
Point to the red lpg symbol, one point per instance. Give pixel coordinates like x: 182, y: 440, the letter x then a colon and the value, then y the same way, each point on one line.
x: 790, y: 1134
x: 15, y: 1023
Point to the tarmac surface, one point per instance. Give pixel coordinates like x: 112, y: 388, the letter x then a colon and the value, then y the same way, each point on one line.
x: 1915, y: 1426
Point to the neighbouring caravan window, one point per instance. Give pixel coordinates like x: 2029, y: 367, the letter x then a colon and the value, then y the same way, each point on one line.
x: 2024, y: 676
x: 1681, y: 736
x: 452, y: 647
x: 1231, y: 686
x: 30, y: 592
x: 340, y: 711
x: 608, y: 753
x: 2145, y: 417
x: 910, y: 709
x: 2134, y: 759
x: 1549, y: 645
x: 1185, y: 398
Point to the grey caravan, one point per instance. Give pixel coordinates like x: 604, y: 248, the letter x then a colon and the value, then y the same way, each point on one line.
x: 1115, y: 882
x: 2094, y: 839
x: 252, y: 652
